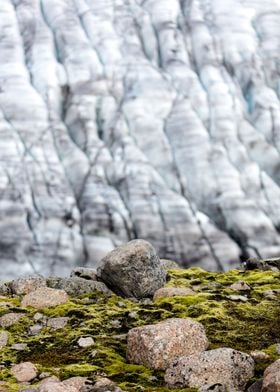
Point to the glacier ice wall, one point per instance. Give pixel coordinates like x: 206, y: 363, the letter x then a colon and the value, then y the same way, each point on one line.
x: 153, y: 119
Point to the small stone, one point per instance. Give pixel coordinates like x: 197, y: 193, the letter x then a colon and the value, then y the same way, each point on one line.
x: 240, y: 286
x: 104, y: 385
x: 122, y: 336
x: 153, y: 378
x: 116, y: 323
x: 54, y: 282
x: 197, y: 287
x: 155, y: 346
x: 4, y: 387
x: 212, y: 286
x: 10, y: 319
x: 75, y: 382
x: 44, y: 375
x: 133, y: 315
x: 19, y: 346
x: 57, y: 322
x: 256, y: 386
x: 172, y: 291
x: 133, y: 270
x: 57, y: 387
x: 26, y: 285
x: 229, y: 368
x: 5, y: 289
x: 49, y: 380
x: 121, y: 304
x: 169, y: 264
x: 38, y: 316
x: 53, y: 384
x: 271, y: 378
x: 85, y: 342
x: 269, y: 294
x: 44, y: 297
x: 93, y: 353
x: 145, y: 301
x: 235, y: 297
x: 277, y: 348
x: 259, y: 356
x: 24, y: 371
x: 85, y: 301
x: 78, y: 286
x: 35, y: 329
x: 4, y: 336
x: 84, y: 273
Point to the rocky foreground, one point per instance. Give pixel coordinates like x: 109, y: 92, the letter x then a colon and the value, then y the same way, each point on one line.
x: 139, y: 323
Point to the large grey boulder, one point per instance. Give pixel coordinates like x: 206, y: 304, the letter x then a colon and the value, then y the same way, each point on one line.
x: 228, y: 368
x: 133, y: 270
x: 156, y: 346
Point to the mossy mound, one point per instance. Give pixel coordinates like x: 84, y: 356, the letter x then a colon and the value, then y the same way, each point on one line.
x: 230, y: 319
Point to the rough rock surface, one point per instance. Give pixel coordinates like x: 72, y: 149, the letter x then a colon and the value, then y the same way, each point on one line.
x: 73, y: 384
x: 172, y: 291
x: 230, y: 368
x: 259, y: 356
x: 85, y: 342
x: 156, y: 346
x: 77, y: 286
x: 133, y: 270
x: 44, y: 297
x: 24, y: 371
x: 256, y: 386
x: 240, y: 286
x: 57, y: 322
x: 57, y: 387
x: 84, y: 273
x: 76, y: 382
x: 139, y: 119
x: 271, y: 379
x: 9, y: 319
x: 169, y: 264
x: 103, y: 384
x: 19, y: 346
x: 27, y: 284
x: 4, y: 336
x: 272, y: 264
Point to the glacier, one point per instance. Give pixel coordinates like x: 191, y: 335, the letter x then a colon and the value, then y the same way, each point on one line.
x: 152, y: 119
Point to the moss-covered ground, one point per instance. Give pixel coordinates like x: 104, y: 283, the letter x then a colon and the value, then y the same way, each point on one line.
x: 236, y: 322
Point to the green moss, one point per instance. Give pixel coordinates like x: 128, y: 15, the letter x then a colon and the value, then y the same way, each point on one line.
x: 78, y: 369
x: 246, y: 326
